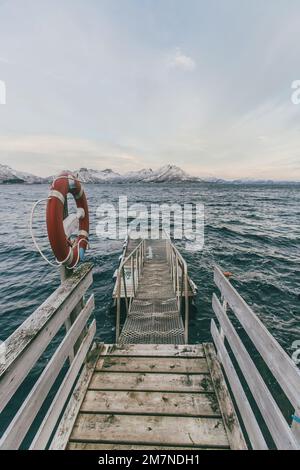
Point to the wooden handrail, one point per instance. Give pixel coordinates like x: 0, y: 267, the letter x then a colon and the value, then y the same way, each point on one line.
x: 276, y: 359
x: 27, y: 344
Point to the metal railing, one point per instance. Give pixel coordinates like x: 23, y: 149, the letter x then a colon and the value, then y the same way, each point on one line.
x: 180, y: 279
x: 128, y: 276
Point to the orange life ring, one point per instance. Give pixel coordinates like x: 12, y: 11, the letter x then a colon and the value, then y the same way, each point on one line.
x: 66, y: 252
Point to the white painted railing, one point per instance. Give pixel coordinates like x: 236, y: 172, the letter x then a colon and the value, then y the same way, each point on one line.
x: 66, y: 306
x: 279, y: 364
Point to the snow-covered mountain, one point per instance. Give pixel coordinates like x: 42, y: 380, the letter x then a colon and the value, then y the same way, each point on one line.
x: 163, y: 174
x: 97, y: 176
x: 8, y: 175
x: 166, y: 173
x: 169, y: 173
x: 137, y: 176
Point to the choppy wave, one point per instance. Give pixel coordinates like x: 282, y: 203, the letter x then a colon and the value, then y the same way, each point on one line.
x: 251, y: 231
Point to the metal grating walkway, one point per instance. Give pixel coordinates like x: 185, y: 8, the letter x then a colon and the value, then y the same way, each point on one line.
x: 153, y: 316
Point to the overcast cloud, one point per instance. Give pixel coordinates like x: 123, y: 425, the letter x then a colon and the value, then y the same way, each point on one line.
x: 128, y: 84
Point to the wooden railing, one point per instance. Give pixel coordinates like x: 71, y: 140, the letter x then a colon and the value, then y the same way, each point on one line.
x: 27, y: 344
x: 128, y: 276
x: 180, y: 279
x: 277, y: 361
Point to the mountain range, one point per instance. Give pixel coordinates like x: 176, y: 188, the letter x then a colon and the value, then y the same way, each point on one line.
x: 168, y: 173
x: 165, y: 174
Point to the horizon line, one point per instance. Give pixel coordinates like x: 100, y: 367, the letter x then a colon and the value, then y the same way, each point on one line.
x: 207, y: 176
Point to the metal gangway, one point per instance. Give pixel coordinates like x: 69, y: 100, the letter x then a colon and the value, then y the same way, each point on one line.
x: 154, y: 286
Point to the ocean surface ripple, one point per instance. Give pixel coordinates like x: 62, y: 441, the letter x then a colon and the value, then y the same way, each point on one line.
x: 252, y: 231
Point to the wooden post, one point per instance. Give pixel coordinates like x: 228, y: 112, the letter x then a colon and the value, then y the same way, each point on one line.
x: 225, y: 305
x: 64, y: 274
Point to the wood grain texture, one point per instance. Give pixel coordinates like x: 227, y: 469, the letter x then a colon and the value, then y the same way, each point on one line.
x: 17, y: 430
x: 230, y: 419
x: 29, y: 341
x: 149, y: 364
x: 160, y: 403
x: 277, y: 425
x: 64, y: 429
x: 109, y: 446
x: 161, y: 430
x: 278, y: 361
x: 151, y: 382
x: 156, y: 350
x: 49, y: 422
x: 251, y: 425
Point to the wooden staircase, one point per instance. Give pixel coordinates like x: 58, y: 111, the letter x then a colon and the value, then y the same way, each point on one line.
x: 157, y: 397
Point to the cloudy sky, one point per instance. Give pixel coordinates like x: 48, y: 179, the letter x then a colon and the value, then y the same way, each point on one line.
x: 127, y: 84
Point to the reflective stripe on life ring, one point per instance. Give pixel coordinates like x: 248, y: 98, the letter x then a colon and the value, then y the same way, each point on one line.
x: 65, y: 251
x: 54, y: 193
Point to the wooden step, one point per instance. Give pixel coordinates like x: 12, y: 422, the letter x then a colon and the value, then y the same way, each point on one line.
x: 109, y: 446
x: 151, y: 382
x: 178, y: 365
x: 147, y: 403
x: 160, y: 430
x: 156, y: 397
x: 154, y: 350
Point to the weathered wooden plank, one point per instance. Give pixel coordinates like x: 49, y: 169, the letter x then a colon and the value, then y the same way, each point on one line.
x: 151, y: 382
x: 64, y: 429
x: 280, y: 364
x: 253, y: 430
x: 156, y: 350
x: 278, y: 427
x: 16, y: 431
x: 108, y: 446
x: 46, y: 428
x: 163, y: 365
x: 27, y: 343
x: 230, y: 419
x: 156, y: 403
x: 159, y: 430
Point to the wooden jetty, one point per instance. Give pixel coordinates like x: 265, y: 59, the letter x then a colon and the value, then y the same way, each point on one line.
x: 151, y: 389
